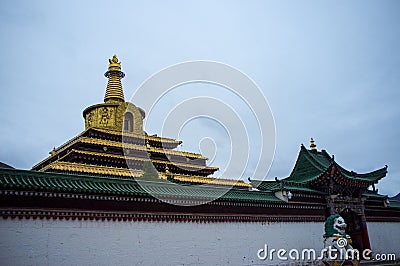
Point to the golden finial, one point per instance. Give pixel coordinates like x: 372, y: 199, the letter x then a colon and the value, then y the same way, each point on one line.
x: 114, y: 63
x: 114, y: 59
x: 114, y: 74
x: 313, y: 147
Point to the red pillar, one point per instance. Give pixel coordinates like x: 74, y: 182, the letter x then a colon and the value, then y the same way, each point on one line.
x: 365, y: 237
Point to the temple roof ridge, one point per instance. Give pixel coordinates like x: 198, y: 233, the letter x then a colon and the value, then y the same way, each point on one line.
x: 91, y: 169
x: 89, y: 140
x: 311, y: 164
x: 42, y: 181
x: 182, y: 178
x: 138, y: 159
x: 315, y: 167
x: 150, y: 137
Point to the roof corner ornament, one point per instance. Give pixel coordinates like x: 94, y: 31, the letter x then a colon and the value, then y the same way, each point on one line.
x: 313, y: 147
x: 147, y: 144
x: 167, y: 169
x: 289, y: 195
x: 284, y: 195
x: 386, y: 203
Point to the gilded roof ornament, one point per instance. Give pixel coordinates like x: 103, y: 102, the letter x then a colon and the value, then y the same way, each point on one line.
x: 114, y: 59
x: 114, y: 91
x: 313, y: 147
x: 114, y: 63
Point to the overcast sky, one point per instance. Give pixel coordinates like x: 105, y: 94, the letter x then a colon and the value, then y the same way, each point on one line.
x: 329, y: 69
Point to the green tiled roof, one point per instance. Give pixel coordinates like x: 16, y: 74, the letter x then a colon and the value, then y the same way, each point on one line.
x: 372, y: 194
x: 394, y: 204
x: 274, y: 186
x: 310, y: 165
x: 40, y: 181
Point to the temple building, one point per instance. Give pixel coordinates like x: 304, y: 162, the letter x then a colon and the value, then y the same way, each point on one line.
x: 342, y: 191
x: 114, y: 144
x: 85, y: 204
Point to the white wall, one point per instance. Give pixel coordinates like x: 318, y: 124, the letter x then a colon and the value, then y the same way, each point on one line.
x: 49, y: 242
x: 384, y: 238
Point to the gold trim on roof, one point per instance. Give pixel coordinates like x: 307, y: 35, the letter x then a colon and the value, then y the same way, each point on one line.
x: 92, y: 169
x: 119, y: 133
x: 140, y: 159
x: 154, y: 138
x: 123, y: 172
x: 67, y: 144
x: 211, y: 180
x: 161, y: 139
x: 117, y: 144
x: 140, y: 147
x: 59, y: 149
x: 179, y: 153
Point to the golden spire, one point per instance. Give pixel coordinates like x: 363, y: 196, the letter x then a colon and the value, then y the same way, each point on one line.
x: 114, y: 74
x: 313, y: 147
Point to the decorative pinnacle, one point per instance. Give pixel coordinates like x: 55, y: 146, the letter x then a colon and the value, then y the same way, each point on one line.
x: 313, y: 147
x: 114, y: 74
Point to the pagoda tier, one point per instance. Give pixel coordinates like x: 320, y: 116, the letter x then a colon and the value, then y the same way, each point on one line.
x: 114, y: 144
x: 120, y: 136
x: 94, y: 147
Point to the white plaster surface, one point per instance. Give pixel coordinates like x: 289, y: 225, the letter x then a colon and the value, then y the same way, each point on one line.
x: 384, y: 238
x: 55, y: 242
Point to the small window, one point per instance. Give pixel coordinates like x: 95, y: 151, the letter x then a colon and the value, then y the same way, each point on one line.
x: 128, y: 122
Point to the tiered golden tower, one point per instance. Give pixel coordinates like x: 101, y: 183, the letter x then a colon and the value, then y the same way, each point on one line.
x: 114, y: 144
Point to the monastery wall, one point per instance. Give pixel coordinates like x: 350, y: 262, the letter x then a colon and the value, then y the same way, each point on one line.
x: 384, y: 238
x: 61, y: 242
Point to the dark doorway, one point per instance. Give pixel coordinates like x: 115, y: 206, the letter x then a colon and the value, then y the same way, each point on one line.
x: 354, y: 228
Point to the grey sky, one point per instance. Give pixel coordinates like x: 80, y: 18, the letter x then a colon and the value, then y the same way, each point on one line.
x: 329, y: 69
